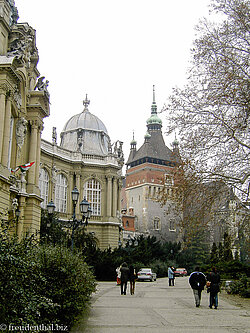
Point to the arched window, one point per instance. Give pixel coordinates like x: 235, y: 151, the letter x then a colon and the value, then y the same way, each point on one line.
x: 44, y: 186
x: 61, y: 193
x: 92, y: 192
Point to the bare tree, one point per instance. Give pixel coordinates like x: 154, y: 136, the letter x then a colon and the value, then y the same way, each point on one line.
x: 212, y: 112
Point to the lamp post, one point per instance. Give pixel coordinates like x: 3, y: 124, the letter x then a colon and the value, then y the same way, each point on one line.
x: 85, y: 211
x: 49, y: 232
x: 17, y: 213
x: 50, y: 208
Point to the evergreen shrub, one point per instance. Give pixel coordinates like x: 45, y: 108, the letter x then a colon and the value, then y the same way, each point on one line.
x: 42, y: 284
x: 241, y: 286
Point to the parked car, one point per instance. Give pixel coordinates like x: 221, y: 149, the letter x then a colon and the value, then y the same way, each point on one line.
x: 146, y: 274
x: 180, y: 272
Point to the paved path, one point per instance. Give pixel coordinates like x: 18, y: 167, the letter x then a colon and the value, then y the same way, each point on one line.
x: 157, y: 308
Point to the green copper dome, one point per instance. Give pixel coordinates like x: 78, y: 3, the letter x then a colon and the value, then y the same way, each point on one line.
x: 133, y: 142
x: 154, y: 119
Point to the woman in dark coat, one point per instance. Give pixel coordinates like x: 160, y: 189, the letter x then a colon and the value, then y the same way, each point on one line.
x: 124, y: 278
x: 214, y: 279
x: 132, y: 278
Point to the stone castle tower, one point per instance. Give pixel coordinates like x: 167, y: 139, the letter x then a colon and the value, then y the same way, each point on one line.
x: 149, y: 168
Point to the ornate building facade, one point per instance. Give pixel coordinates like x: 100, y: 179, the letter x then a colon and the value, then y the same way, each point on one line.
x: 149, y: 169
x: 34, y: 171
x: 86, y: 159
x: 23, y: 105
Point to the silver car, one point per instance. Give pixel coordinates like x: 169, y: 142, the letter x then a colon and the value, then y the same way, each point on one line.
x: 146, y: 274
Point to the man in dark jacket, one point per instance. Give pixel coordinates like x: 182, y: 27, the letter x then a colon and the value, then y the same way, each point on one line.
x: 197, y: 281
x: 124, y: 278
x: 214, y: 279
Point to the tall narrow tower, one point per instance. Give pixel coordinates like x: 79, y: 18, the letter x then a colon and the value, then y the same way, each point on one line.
x: 148, y: 169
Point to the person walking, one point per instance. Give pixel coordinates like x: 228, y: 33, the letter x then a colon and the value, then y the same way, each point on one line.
x: 197, y: 281
x: 124, y: 278
x: 132, y: 278
x: 214, y: 279
x: 171, y: 276
x: 118, y: 276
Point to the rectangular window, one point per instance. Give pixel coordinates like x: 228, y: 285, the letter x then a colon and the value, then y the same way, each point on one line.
x: 61, y: 193
x: 92, y: 191
x: 172, y: 225
x: 156, y: 223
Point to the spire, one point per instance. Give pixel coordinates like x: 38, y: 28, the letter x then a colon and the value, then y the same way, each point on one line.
x: 86, y: 103
x: 154, y: 122
x: 133, y: 142
x: 175, y: 145
x: 153, y: 106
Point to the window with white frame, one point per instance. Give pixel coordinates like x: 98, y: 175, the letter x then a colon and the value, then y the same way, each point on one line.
x: 172, y: 225
x: 92, y: 192
x: 61, y: 193
x: 156, y: 223
x: 44, y: 186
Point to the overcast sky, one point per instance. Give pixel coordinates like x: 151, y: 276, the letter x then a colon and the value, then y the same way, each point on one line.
x: 115, y: 51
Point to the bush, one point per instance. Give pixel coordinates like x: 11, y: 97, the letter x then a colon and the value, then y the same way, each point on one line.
x: 241, y: 287
x: 160, y: 268
x: 41, y: 284
x: 67, y: 282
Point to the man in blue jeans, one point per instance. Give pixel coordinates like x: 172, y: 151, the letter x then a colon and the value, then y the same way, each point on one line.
x: 171, y: 276
x: 214, y: 279
x: 197, y: 281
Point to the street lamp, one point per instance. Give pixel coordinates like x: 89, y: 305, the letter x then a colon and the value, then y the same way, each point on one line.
x: 85, y: 211
x: 50, y: 208
x: 17, y: 213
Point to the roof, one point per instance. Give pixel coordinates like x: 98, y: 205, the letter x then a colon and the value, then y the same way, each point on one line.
x: 154, y: 147
x: 85, y: 120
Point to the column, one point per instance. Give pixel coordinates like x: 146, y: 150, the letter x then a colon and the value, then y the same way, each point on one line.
x: 109, y: 195
x: 22, y: 203
x: 78, y: 185
x: 115, y: 197
x: 119, y: 196
x: 38, y: 155
x: 6, y: 133
x: 32, y: 153
x: 69, y: 197
x: 2, y: 117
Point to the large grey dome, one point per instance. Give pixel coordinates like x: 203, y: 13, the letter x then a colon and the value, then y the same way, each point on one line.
x: 85, y: 120
x: 85, y: 132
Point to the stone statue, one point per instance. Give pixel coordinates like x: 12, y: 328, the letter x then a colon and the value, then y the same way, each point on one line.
x: 54, y: 174
x: 14, y: 16
x: 115, y: 148
x: 40, y: 85
x: 21, y: 129
x: 109, y: 147
x: 54, y: 136
x: 17, y: 48
x: 17, y: 98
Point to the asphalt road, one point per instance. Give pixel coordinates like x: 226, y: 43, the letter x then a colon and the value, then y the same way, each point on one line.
x: 156, y: 307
